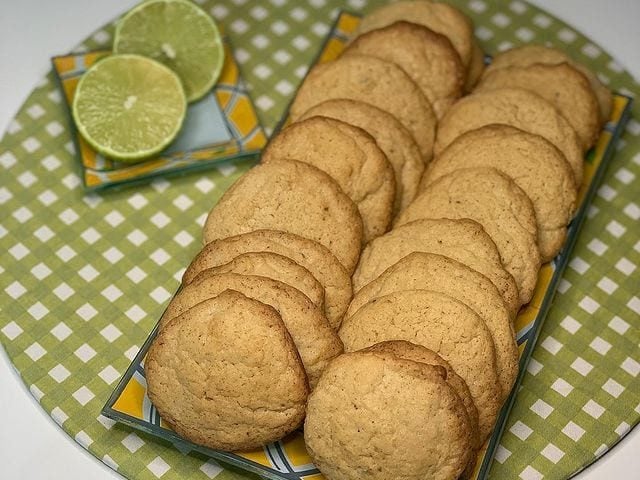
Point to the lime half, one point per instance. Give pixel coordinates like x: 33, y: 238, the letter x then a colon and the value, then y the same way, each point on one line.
x: 178, y: 34
x: 129, y: 107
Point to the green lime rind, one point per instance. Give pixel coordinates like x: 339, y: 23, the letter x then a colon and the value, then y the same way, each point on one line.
x: 178, y: 34
x: 129, y: 107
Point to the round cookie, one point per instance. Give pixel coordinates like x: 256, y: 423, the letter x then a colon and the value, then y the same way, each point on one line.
x: 532, y: 162
x: 294, y: 197
x: 418, y: 353
x: 462, y: 240
x: 476, y: 67
x: 439, y: 323
x: 515, y: 107
x: 439, y: 17
x: 531, y: 54
x: 376, y: 82
x: 314, y: 338
x: 322, y: 264
x: 276, y: 267
x: 367, y: 404
x: 392, y: 138
x: 351, y: 157
x: 440, y: 274
x: 493, y: 200
x: 562, y: 85
x: 427, y: 57
x: 250, y: 389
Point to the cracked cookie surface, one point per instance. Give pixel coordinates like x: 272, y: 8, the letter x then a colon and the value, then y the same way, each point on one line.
x: 351, y: 157
x: 462, y: 240
x: 493, y: 200
x: 441, y: 274
x: 393, y: 139
x: 276, y: 267
x: 532, y: 162
x: 225, y: 374
x: 376, y: 82
x: 439, y: 323
x: 518, y: 108
x: 426, y: 56
x: 368, y: 404
x: 314, y: 338
x: 313, y: 256
x: 294, y: 197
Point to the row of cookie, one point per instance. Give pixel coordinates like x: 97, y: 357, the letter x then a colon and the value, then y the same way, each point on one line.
x: 429, y: 282
x: 247, y: 336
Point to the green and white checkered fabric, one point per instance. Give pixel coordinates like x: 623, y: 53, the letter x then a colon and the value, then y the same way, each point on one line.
x: 83, y: 278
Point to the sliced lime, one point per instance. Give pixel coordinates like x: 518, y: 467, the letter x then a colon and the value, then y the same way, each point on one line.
x: 129, y: 107
x: 179, y: 34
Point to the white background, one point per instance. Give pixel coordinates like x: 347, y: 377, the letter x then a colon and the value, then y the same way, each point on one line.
x: 31, y: 31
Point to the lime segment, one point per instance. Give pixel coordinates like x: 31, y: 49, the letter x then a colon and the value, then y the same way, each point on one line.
x: 129, y: 107
x: 178, y: 34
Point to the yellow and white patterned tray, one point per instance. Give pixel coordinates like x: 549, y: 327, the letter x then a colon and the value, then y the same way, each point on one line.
x: 220, y: 127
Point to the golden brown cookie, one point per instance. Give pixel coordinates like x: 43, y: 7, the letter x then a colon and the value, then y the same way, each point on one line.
x: 493, y: 200
x: 427, y: 57
x: 462, y: 240
x: 314, y: 338
x: 515, y: 107
x: 392, y: 138
x: 418, y: 353
x: 322, y: 264
x: 277, y: 267
x: 476, y: 67
x: 433, y: 272
x: 531, y: 54
x: 439, y: 323
x: 249, y: 387
x: 351, y: 157
x: 442, y: 18
x: 294, y: 197
x: 562, y: 85
x: 368, y: 404
x: 532, y: 162
x: 373, y: 81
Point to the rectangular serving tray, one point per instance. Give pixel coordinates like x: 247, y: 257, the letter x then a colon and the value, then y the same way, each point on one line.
x: 288, y: 459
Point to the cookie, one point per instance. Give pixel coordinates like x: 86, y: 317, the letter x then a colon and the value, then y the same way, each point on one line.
x: 427, y: 57
x: 493, y: 200
x: 433, y: 272
x: 373, y: 81
x: 314, y: 338
x: 476, y: 67
x: 439, y: 17
x: 351, y: 157
x: 532, y: 54
x: 276, y: 267
x: 367, y: 404
x: 515, y: 107
x: 532, y: 162
x: 249, y: 389
x: 322, y: 264
x: 392, y: 138
x: 439, y: 323
x: 462, y: 240
x: 294, y: 197
x: 418, y: 353
x: 562, y: 85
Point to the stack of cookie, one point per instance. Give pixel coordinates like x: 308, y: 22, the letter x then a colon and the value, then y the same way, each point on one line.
x: 436, y: 209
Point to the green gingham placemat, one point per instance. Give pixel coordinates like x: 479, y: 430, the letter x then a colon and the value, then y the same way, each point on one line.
x: 84, y: 277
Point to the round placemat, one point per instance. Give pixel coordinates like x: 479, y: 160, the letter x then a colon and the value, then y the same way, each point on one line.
x: 84, y: 277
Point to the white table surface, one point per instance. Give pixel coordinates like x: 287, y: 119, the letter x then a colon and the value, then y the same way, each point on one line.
x: 31, y: 444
